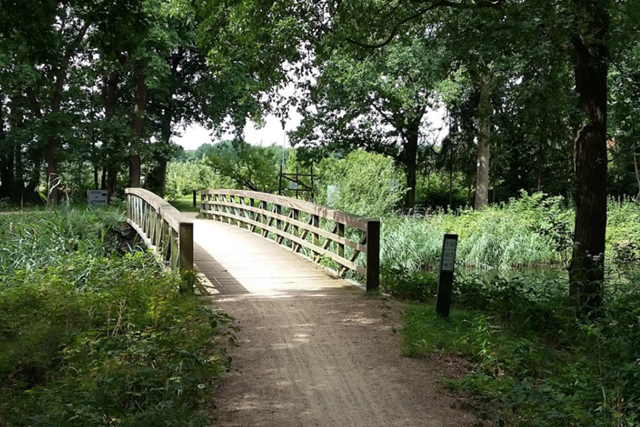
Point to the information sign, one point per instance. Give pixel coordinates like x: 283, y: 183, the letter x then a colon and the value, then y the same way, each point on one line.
x: 445, y: 282
x: 97, y: 197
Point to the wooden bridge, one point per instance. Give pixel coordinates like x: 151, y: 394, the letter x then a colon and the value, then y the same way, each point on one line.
x: 312, y: 354
x: 255, y: 243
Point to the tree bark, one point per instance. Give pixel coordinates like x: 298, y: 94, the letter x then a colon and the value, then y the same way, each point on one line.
x: 141, y: 102
x: 18, y: 179
x: 50, y: 158
x: 6, y: 159
x: 590, y: 53
x: 157, y: 180
x: 112, y: 180
x: 637, y: 169
x: 484, y: 133
x: 411, y: 165
x: 109, y: 100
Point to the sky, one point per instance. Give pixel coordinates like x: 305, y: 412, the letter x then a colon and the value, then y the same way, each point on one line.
x: 194, y: 136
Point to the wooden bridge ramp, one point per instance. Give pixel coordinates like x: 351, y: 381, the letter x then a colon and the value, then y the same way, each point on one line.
x: 236, y: 262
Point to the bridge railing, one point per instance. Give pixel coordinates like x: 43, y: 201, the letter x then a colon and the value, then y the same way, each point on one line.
x: 162, y: 227
x: 351, y: 242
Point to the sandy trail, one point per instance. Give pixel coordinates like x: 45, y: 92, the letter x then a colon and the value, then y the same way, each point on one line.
x: 314, y: 351
x: 327, y: 360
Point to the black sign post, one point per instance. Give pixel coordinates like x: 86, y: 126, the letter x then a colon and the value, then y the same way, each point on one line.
x: 445, y: 282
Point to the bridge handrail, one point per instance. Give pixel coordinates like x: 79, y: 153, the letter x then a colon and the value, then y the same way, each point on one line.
x: 250, y: 209
x: 162, y: 227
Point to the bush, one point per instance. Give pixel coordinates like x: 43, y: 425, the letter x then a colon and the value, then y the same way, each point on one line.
x: 183, y: 178
x: 91, y: 335
x: 533, y: 363
x: 368, y: 184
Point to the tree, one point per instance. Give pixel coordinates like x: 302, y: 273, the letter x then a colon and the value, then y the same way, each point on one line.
x: 250, y: 167
x: 378, y: 103
x: 581, y: 24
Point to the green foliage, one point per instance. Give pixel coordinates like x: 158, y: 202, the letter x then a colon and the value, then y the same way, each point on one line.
x: 93, y: 334
x: 247, y: 166
x: 533, y: 364
x: 623, y: 231
x: 530, y: 231
x: 185, y: 177
x: 368, y: 184
x: 417, y: 286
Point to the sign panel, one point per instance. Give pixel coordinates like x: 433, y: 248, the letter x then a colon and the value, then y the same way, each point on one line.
x: 445, y: 281
x: 449, y: 254
x: 97, y: 197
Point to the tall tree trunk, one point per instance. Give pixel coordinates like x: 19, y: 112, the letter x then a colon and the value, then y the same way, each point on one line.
x: 141, y: 102
x: 112, y: 179
x: 637, y: 169
x: 109, y: 102
x: 451, y: 184
x: 16, y: 123
x: 586, y: 273
x: 484, y: 133
x: 411, y: 165
x: 18, y: 179
x: 6, y: 158
x: 50, y: 158
x: 157, y: 179
x: 51, y: 171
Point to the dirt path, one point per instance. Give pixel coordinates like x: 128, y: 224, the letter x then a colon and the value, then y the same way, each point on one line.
x: 327, y: 359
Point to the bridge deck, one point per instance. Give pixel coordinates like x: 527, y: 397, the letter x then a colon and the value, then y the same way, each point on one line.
x: 237, y: 262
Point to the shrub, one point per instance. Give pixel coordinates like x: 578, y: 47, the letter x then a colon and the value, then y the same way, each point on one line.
x: 368, y: 184
x: 533, y: 363
x: 91, y: 335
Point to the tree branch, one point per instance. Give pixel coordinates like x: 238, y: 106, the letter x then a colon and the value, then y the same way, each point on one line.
x: 442, y: 3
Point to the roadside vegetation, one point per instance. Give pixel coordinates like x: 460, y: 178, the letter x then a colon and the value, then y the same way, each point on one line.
x: 527, y: 359
x: 93, y: 332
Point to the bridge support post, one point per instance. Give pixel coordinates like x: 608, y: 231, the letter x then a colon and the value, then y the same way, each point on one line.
x: 186, y: 249
x: 373, y: 255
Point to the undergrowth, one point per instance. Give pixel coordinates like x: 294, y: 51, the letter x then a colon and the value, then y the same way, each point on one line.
x: 94, y: 333
x: 534, y: 364
x: 531, y: 231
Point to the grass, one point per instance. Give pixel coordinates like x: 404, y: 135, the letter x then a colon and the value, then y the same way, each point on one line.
x: 94, y: 333
x: 185, y: 204
x: 532, y: 231
x: 532, y: 362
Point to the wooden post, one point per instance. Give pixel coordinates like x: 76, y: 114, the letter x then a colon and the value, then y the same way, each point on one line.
x: 373, y: 255
x: 295, y: 215
x: 340, y: 245
x: 186, y: 249
x: 315, y: 222
x: 194, y: 198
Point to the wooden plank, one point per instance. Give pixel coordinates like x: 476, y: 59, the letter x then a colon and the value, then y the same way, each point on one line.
x: 283, y: 235
x: 315, y: 229
x: 323, y: 211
